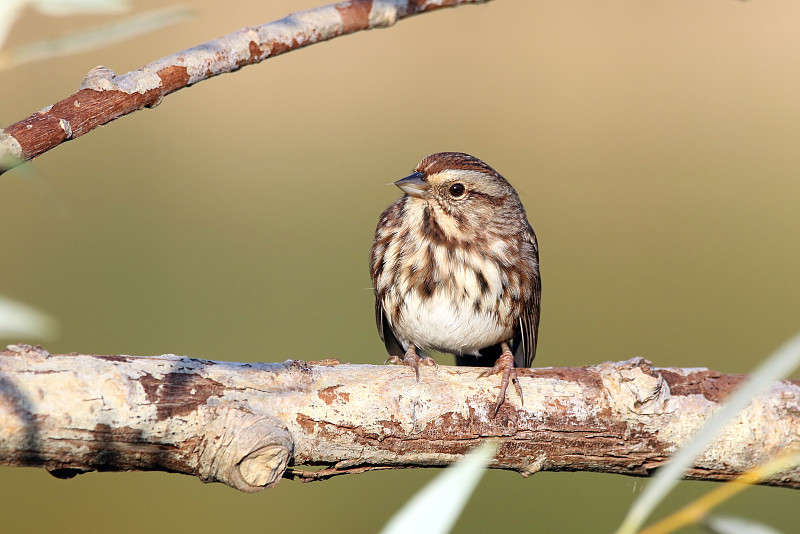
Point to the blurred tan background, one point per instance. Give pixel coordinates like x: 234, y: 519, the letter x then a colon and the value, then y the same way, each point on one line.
x: 655, y: 145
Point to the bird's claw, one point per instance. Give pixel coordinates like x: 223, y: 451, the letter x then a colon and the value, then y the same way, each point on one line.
x: 504, y: 367
x: 413, y: 360
x: 430, y: 362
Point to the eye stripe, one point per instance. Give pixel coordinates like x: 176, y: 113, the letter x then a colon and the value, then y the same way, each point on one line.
x: 494, y: 201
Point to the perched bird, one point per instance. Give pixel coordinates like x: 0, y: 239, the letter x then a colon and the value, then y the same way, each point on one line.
x: 455, y: 267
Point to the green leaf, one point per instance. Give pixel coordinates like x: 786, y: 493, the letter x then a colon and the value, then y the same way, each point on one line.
x: 436, y: 507
x: 735, y: 525
x: 10, y: 9
x: 100, y: 36
x: 19, y: 320
x: 778, y: 365
x: 71, y: 7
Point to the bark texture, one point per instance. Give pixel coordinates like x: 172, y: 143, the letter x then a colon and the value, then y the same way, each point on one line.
x: 104, y: 96
x: 248, y: 425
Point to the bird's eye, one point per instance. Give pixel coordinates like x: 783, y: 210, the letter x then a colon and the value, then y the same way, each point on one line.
x: 457, y: 190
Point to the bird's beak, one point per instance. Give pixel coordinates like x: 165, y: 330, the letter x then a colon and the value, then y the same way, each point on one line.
x: 414, y: 185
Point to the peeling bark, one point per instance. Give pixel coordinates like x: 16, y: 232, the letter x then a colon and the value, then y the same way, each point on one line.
x: 104, y: 96
x: 248, y: 425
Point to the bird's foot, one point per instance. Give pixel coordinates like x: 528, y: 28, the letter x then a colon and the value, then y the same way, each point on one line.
x: 505, y: 367
x: 413, y: 360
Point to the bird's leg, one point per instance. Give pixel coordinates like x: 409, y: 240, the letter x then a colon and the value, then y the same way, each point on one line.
x: 504, y: 365
x: 412, y: 359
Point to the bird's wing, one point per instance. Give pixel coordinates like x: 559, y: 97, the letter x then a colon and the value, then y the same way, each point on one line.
x: 393, y: 346
x: 525, y: 349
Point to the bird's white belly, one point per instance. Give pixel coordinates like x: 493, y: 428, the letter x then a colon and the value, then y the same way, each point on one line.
x: 439, y: 323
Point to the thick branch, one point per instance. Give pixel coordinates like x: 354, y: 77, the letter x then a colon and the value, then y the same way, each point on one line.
x: 243, y: 424
x: 104, y: 96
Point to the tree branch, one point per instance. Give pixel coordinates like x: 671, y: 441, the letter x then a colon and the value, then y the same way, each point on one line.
x: 248, y: 425
x: 103, y: 96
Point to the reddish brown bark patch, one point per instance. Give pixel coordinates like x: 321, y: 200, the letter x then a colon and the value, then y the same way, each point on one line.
x: 712, y: 385
x: 255, y: 53
x: 179, y: 393
x: 173, y: 78
x: 306, y: 423
x: 355, y: 15
x: 330, y: 395
x: 75, y: 116
x: 325, y: 430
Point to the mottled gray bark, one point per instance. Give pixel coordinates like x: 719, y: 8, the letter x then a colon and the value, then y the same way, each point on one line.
x: 249, y: 425
x: 104, y: 96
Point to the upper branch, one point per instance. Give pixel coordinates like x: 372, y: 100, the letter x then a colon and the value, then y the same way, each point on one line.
x: 248, y: 425
x: 103, y: 96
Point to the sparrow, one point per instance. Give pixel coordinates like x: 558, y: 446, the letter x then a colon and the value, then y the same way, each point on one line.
x: 455, y: 269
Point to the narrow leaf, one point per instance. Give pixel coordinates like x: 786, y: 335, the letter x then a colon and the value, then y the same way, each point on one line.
x: 436, y: 507
x: 778, y: 365
x: 105, y: 35
x: 19, y: 320
x: 71, y: 7
x: 9, y: 11
x: 736, y: 525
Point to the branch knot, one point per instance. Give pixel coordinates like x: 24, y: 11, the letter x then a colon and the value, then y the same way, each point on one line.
x: 247, y: 451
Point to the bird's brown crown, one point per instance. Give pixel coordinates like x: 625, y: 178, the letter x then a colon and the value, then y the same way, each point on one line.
x: 444, y: 161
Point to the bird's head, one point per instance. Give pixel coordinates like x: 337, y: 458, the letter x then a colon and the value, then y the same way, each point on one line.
x: 462, y: 195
